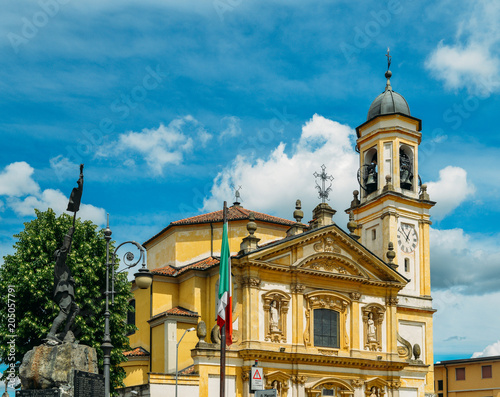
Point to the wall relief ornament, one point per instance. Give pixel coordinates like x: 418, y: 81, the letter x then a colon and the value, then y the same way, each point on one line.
x: 275, y: 315
x: 373, y: 317
x: 357, y: 383
x: 298, y: 288
x: 253, y: 282
x: 328, y: 267
x: 326, y: 244
x: 300, y: 379
x: 392, y: 301
x: 395, y: 384
x: 355, y: 296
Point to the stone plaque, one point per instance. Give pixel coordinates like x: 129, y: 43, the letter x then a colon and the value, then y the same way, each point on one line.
x: 88, y: 384
x: 38, y: 393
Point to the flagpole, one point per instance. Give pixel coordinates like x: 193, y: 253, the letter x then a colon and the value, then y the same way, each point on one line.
x: 223, y: 332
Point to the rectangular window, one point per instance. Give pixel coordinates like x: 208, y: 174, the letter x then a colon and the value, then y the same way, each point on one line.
x: 327, y: 392
x: 326, y: 326
x: 460, y: 373
x: 486, y: 370
x: 440, y: 385
x: 440, y: 395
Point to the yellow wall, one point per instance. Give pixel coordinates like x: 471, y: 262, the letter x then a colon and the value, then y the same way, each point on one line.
x: 473, y: 385
x: 182, y: 245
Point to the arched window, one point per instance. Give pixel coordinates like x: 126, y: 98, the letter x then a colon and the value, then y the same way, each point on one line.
x: 326, y: 328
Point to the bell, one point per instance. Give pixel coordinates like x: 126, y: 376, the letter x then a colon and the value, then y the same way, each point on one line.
x: 406, y: 179
x: 371, y: 182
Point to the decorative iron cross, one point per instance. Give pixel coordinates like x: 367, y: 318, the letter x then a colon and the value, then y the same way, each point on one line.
x: 237, y: 197
x: 323, y: 191
x: 389, y: 58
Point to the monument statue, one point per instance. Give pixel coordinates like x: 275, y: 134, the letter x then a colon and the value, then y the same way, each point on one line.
x: 64, y: 284
x: 61, y: 364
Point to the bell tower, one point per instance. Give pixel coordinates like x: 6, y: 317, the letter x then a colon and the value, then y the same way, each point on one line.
x: 392, y: 205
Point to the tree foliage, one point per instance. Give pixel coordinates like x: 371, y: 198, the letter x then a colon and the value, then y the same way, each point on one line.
x: 29, y: 272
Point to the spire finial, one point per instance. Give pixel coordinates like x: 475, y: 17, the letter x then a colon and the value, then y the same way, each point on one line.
x: 323, y: 192
x: 388, y: 74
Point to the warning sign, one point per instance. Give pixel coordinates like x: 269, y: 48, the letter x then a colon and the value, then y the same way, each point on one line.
x: 256, y: 379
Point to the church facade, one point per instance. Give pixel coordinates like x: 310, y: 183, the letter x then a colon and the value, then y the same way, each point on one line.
x: 326, y: 312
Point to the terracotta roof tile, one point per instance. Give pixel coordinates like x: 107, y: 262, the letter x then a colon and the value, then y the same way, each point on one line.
x: 137, y: 352
x: 175, y: 311
x: 234, y: 213
x: 172, y: 271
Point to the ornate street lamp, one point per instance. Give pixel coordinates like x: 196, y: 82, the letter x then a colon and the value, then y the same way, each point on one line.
x: 143, y: 279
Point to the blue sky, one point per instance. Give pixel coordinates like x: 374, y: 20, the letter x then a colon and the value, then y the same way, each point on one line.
x: 168, y: 103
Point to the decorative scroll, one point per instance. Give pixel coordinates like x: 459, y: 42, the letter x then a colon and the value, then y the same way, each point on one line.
x: 327, y: 244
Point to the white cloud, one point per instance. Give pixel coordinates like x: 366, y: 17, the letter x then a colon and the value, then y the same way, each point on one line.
x: 466, y: 263
x: 158, y: 146
x: 16, y: 180
x: 473, y: 61
x: 232, y: 128
x: 451, y: 179
x: 471, y: 66
x: 277, y: 181
x: 56, y: 200
x: 24, y: 194
x: 490, y: 350
x: 63, y: 167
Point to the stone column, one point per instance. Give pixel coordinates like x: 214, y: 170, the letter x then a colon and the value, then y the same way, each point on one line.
x: 297, y: 313
x: 245, y: 376
x: 355, y: 296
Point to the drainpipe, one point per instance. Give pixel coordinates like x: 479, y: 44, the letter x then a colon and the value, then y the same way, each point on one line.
x: 211, y: 239
x: 446, y: 368
x: 150, y: 329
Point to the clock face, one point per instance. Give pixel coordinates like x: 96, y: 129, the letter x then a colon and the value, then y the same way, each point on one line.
x: 407, y: 238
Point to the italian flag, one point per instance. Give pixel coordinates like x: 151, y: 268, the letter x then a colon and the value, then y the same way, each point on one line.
x: 225, y: 307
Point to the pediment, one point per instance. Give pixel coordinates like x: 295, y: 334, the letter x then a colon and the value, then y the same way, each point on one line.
x: 325, y: 251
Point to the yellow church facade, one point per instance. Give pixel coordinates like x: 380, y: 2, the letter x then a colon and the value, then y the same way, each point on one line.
x: 326, y: 312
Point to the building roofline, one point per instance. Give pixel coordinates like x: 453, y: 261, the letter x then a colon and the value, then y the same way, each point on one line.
x: 467, y: 360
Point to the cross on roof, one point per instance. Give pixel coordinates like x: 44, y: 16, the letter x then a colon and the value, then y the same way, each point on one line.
x: 389, y: 58
x: 323, y: 190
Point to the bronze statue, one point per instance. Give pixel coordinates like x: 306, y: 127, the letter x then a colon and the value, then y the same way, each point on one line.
x: 64, y: 284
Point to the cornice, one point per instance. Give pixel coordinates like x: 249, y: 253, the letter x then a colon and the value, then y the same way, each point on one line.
x: 330, y: 360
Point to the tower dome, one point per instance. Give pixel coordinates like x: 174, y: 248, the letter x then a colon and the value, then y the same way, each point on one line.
x: 389, y: 102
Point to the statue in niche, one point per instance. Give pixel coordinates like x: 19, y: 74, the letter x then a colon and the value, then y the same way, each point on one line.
x: 277, y: 386
x: 274, y: 317
x: 372, y: 330
x: 374, y: 392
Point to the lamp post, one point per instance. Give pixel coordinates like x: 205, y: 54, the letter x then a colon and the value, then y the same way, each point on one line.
x: 143, y: 279
x: 177, y: 357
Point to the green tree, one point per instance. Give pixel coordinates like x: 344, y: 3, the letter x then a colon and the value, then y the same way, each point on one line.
x: 29, y: 273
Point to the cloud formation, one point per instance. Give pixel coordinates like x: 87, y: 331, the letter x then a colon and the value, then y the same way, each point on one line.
x: 467, y: 264
x: 23, y: 195
x: 472, y: 62
x: 451, y: 179
x: 158, y: 147
x: 16, y: 180
x: 273, y: 184
x: 490, y: 350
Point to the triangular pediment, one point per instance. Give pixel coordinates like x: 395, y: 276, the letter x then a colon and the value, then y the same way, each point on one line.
x: 326, y: 251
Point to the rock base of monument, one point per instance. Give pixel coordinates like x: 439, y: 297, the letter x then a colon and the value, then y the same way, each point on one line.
x: 52, y: 367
